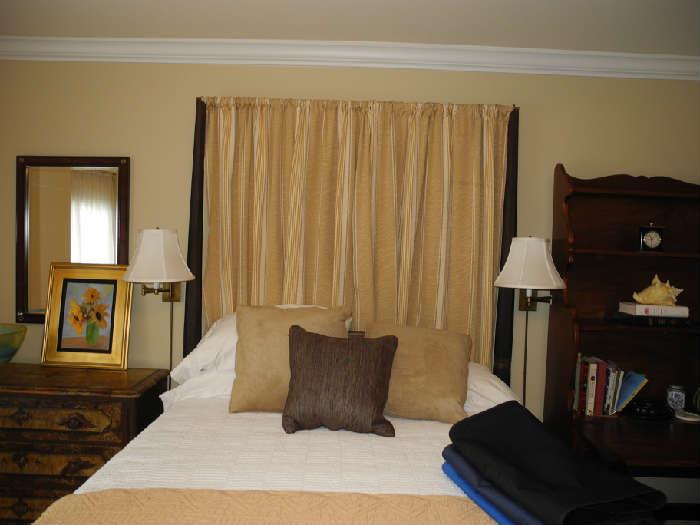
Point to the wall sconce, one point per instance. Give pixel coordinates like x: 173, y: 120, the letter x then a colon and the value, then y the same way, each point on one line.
x: 160, y: 267
x: 529, y: 267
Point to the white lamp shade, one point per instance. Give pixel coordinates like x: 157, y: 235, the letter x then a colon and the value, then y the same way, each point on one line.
x: 158, y: 259
x: 529, y: 266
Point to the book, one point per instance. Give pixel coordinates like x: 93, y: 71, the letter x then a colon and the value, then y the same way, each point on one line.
x: 653, y: 310
x: 583, y: 384
x: 616, y: 396
x: 601, y: 384
x: 577, y: 383
x: 591, y: 388
x: 609, y: 387
x: 632, y: 383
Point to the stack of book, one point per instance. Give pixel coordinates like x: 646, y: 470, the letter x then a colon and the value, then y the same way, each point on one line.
x: 601, y: 388
x: 653, y: 310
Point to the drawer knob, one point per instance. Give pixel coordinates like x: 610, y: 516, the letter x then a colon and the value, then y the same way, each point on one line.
x: 76, y: 422
x: 21, y: 416
x: 75, y: 466
x: 20, y: 508
x: 20, y: 460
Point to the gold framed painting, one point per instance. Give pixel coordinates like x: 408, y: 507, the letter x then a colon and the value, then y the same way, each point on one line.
x: 87, y: 316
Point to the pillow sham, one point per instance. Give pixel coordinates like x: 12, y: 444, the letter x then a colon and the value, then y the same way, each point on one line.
x: 208, y: 384
x: 338, y: 383
x: 430, y: 372
x: 262, y: 354
x: 219, y: 342
x: 485, y: 390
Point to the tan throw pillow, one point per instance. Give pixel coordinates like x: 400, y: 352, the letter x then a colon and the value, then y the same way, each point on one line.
x: 429, y: 375
x: 262, y: 352
x: 338, y: 383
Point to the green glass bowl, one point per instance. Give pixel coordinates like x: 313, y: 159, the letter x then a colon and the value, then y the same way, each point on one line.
x: 11, y: 338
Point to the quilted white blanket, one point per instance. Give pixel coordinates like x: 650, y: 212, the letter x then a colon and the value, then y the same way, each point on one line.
x: 198, y: 444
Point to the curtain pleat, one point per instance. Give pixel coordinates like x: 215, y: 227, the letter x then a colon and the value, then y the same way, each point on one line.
x: 503, y: 339
x: 93, y: 201
x: 390, y: 209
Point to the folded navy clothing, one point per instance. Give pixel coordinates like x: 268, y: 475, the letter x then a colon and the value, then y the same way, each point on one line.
x: 511, y: 448
x: 476, y: 497
x: 514, y: 512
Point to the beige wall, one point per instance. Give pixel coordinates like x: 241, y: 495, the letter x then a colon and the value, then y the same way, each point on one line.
x: 595, y: 126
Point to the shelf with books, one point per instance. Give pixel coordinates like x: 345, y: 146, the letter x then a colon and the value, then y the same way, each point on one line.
x: 596, y: 228
x: 602, y: 388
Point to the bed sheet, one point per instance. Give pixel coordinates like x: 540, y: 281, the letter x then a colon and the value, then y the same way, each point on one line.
x: 199, y: 444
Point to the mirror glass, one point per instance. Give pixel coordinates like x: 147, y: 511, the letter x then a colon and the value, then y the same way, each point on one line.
x: 73, y: 210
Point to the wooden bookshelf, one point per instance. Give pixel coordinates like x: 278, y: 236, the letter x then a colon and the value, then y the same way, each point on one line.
x: 595, y: 247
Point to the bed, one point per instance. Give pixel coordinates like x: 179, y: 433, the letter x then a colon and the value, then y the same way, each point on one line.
x: 199, y: 463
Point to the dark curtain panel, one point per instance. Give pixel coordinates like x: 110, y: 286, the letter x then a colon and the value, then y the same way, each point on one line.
x: 503, y: 344
x: 192, y: 331
x: 193, y: 300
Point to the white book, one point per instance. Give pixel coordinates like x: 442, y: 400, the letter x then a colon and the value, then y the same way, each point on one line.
x: 609, y: 388
x: 612, y: 390
x: 590, y: 388
x: 653, y: 310
x: 618, y: 386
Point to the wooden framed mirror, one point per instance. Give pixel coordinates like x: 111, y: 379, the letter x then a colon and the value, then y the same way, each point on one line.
x: 70, y: 209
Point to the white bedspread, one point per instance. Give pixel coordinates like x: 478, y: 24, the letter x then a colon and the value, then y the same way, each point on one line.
x: 198, y: 444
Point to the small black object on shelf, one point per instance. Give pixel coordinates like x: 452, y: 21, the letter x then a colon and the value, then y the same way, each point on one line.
x: 648, y: 410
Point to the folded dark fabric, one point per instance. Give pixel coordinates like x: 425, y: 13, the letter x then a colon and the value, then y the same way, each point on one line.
x: 485, y: 505
x: 514, y: 512
x: 512, y: 449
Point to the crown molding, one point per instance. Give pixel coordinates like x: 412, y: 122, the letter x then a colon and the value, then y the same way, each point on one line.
x: 353, y: 54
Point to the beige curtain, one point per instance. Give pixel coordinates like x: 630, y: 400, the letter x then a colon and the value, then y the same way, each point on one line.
x: 390, y: 209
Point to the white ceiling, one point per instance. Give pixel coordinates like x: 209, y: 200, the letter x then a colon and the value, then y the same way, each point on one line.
x: 635, y: 26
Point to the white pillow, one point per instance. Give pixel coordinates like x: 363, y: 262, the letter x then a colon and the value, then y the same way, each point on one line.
x: 485, y: 390
x: 211, y: 383
x: 217, y: 348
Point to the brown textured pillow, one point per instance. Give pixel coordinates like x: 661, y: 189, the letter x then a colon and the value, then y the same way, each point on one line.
x: 429, y: 376
x: 338, y: 383
x: 262, y: 352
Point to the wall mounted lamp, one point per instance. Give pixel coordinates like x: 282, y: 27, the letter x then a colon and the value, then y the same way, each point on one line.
x: 160, y: 268
x: 529, y: 267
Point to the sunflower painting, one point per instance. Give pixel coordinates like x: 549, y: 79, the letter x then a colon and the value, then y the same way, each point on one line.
x: 88, y: 314
x: 86, y: 317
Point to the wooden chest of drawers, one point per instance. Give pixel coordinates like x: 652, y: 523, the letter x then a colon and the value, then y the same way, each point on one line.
x: 59, y: 425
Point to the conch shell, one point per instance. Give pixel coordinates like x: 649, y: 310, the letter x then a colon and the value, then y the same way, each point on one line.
x: 658, y: 293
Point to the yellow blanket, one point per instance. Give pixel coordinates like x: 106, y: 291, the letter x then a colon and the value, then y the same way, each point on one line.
x: 191, y: 507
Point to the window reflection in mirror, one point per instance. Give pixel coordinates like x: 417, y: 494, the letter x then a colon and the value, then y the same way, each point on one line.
x: 69, y: 209
x: 72, y: 217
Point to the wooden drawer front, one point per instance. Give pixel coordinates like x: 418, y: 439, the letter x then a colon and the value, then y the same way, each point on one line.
x: 58, y: 419
x: 19, y: 508
x: 50, y: 464
x: 16, y: 508
x: 85, y: 420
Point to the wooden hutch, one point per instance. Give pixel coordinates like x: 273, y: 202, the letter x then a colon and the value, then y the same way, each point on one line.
x: 596, y: 248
